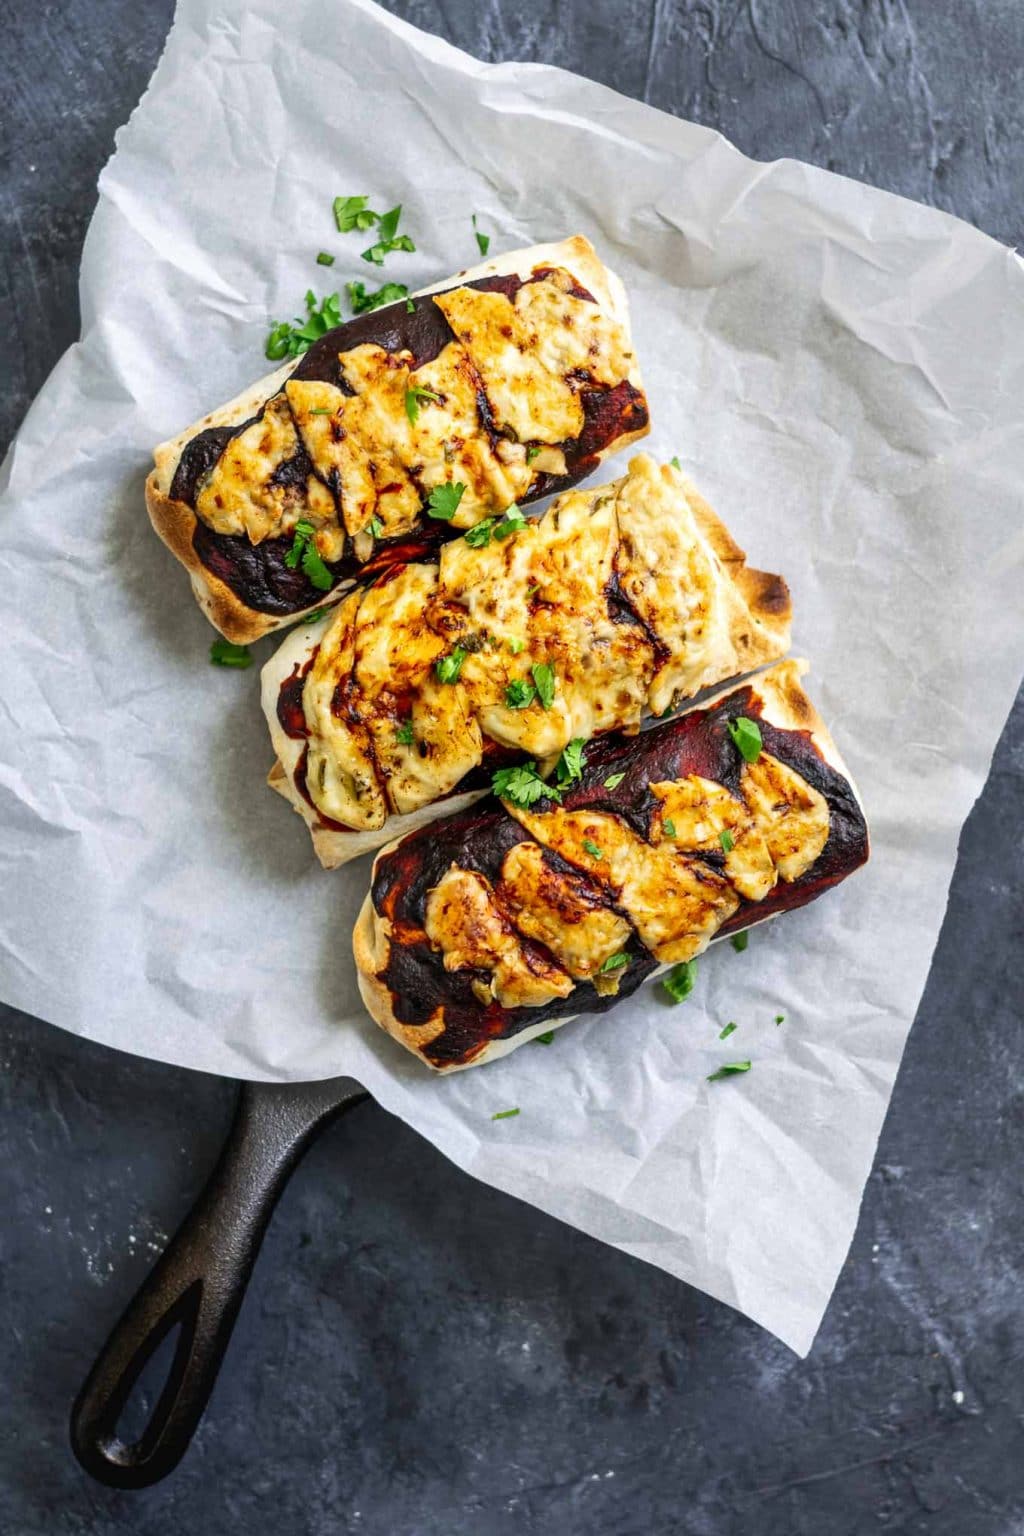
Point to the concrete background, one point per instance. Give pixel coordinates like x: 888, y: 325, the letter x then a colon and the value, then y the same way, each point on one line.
x: 418, y: 1355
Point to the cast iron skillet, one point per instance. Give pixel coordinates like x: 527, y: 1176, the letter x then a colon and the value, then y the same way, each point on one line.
x: 199, y: 1282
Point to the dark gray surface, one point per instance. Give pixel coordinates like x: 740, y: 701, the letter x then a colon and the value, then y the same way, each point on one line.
x: 418, y: 1355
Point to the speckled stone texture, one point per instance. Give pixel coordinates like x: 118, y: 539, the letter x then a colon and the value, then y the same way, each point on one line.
x: 419, y: 1356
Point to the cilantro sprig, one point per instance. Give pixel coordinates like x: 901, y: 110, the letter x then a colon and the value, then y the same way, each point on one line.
x: 362, y: 301
x: 570, y: 766
x: 544, y: 682
x: 305, y: 552
x: 413, y: 395
x: 291, y: 338
x: 523, y: 785
x: 443, y: 501
x: 448, y: 667
x: 519, y: 694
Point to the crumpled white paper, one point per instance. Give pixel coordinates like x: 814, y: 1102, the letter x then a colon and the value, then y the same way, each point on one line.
x: 841, y: 371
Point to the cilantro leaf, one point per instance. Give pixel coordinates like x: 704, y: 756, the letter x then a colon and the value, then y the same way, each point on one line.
x: 443, y: 501
x: 362, y: 301
x: 589, y: 846
x: 614, y: 780
x: 512, y: 522
x: 730, y: 1029
x: 505, y: 1114
x: 675, y: 464
x: 519, y: 693
x: 324, y: 259
x: 572, y: 762
x: 483, y: 241
x: 448, y: 667
x: 290, y: 338
x: 780, y: 1018
x: 731, y: 1069
x: 305, y: 552
x: 532, y: 452
x: 410, y: 307
x: 388, y: 238
x: 376, y: 527
x: 515, y: 645
x: 668, y: 827
x: 544, y: 1039
x: 314, y: 616
x: 413, y: 395
x: 727, y: 841
x: 680, y: 981
x: 614, y: 963
x: 403, y: 734
x: 522, y: 785
x: 740, y: 941
x: 352, y: 213
x: 746, y: 738
x: 544, y: 679
x: 225, y: 654
x: 479, y: 536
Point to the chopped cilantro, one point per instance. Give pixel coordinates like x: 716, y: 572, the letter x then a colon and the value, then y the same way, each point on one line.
x: 595, y: 853
x: 544, y: 678
x: 320, y: 410
x: 614, y: 963
x: 225, y: 654
x: 314, y: 617
x: 675, y: 463
x: 668, y: 827
x: 304, y: 551
x: 515, y: 646
x: 679, y: 982
x: 726, y: 839
x: 505, y: 1114
x: 448, y: 667
x: 413, y: 395
x: 723, y: 1034
x: 614, y: 780
x: 532, y: 591
x: 376, y: 527
x: 532, y: 452
x: 731, y: 1069
x: 352, y: 213
x: 519, y: 693
x: 324, y: 259
x: 479, y: 536
x: 362, y: 301
x: 290, y: 338
x: 544, y: 1039
x: 410, y: 307
x: 746, y: 738
x: 522, y: 785
x: 780, y: 1018
x: 483, y: 241
x: 740, y: 941
x: 403, y: 735
x: 572, y: 762
x: 443, y: 501
x: 511, y: 523
x: 388, y: 238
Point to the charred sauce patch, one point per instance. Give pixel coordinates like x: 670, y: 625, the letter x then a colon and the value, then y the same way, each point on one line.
x: 479, y: 839
x: 257, y: 574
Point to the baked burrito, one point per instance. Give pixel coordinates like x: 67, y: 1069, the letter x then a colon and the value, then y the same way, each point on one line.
x: 506, y: 920
x: 398, y: 429
x: 519, y: 640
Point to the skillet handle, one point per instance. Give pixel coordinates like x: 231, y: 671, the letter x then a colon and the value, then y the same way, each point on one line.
x: 199, y: 1282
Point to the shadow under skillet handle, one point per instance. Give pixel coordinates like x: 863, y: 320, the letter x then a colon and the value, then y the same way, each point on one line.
x: 199, y: 1282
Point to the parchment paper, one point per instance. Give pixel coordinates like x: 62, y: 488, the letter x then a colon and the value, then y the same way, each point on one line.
x: 841, y: 371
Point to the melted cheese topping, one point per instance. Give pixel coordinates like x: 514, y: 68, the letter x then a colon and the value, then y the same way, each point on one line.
x: 542, y: 597
x: 510, y: 378
x: 464, y: 921
x: 619, y: 883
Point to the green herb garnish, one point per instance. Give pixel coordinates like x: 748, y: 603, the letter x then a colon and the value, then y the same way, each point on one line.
x: 314, y: 617
x: 614, y: 780
x: 319, y: 410
x: 376, y: 527
x: 223, y: 653
x: 304, y: 551
x: 572, y: 762
x: 519, y: 693
x: 680, y: 981
x: 595, y: 853
x: 388, y: 238
x: 726, y: 840
x: 410, y: 307
x: 483, y: 241
x: 668, y: 827
x: 731, y: 1069
x: 746, y: 738
x: 544, y: 678
x: 362, y: 301
x: 614, y: 963
x: 729, y: 1029
x: 676, y: 464
x: 413, y: 395
x: 532, y: 452
x: 324, y: 259
x: 443, y: 501
x: 505, y: 1114
x: 403, y: 735
x: 479, y: 536
x: 512, y: 522
x: 515, y: 646
x: 448, y: 667
x: 544, y: 1039
x: 740, y: 941
x: 352, y: 213
x: 780, y: 1018
x: 290, y: 338
x: 522, y: 785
